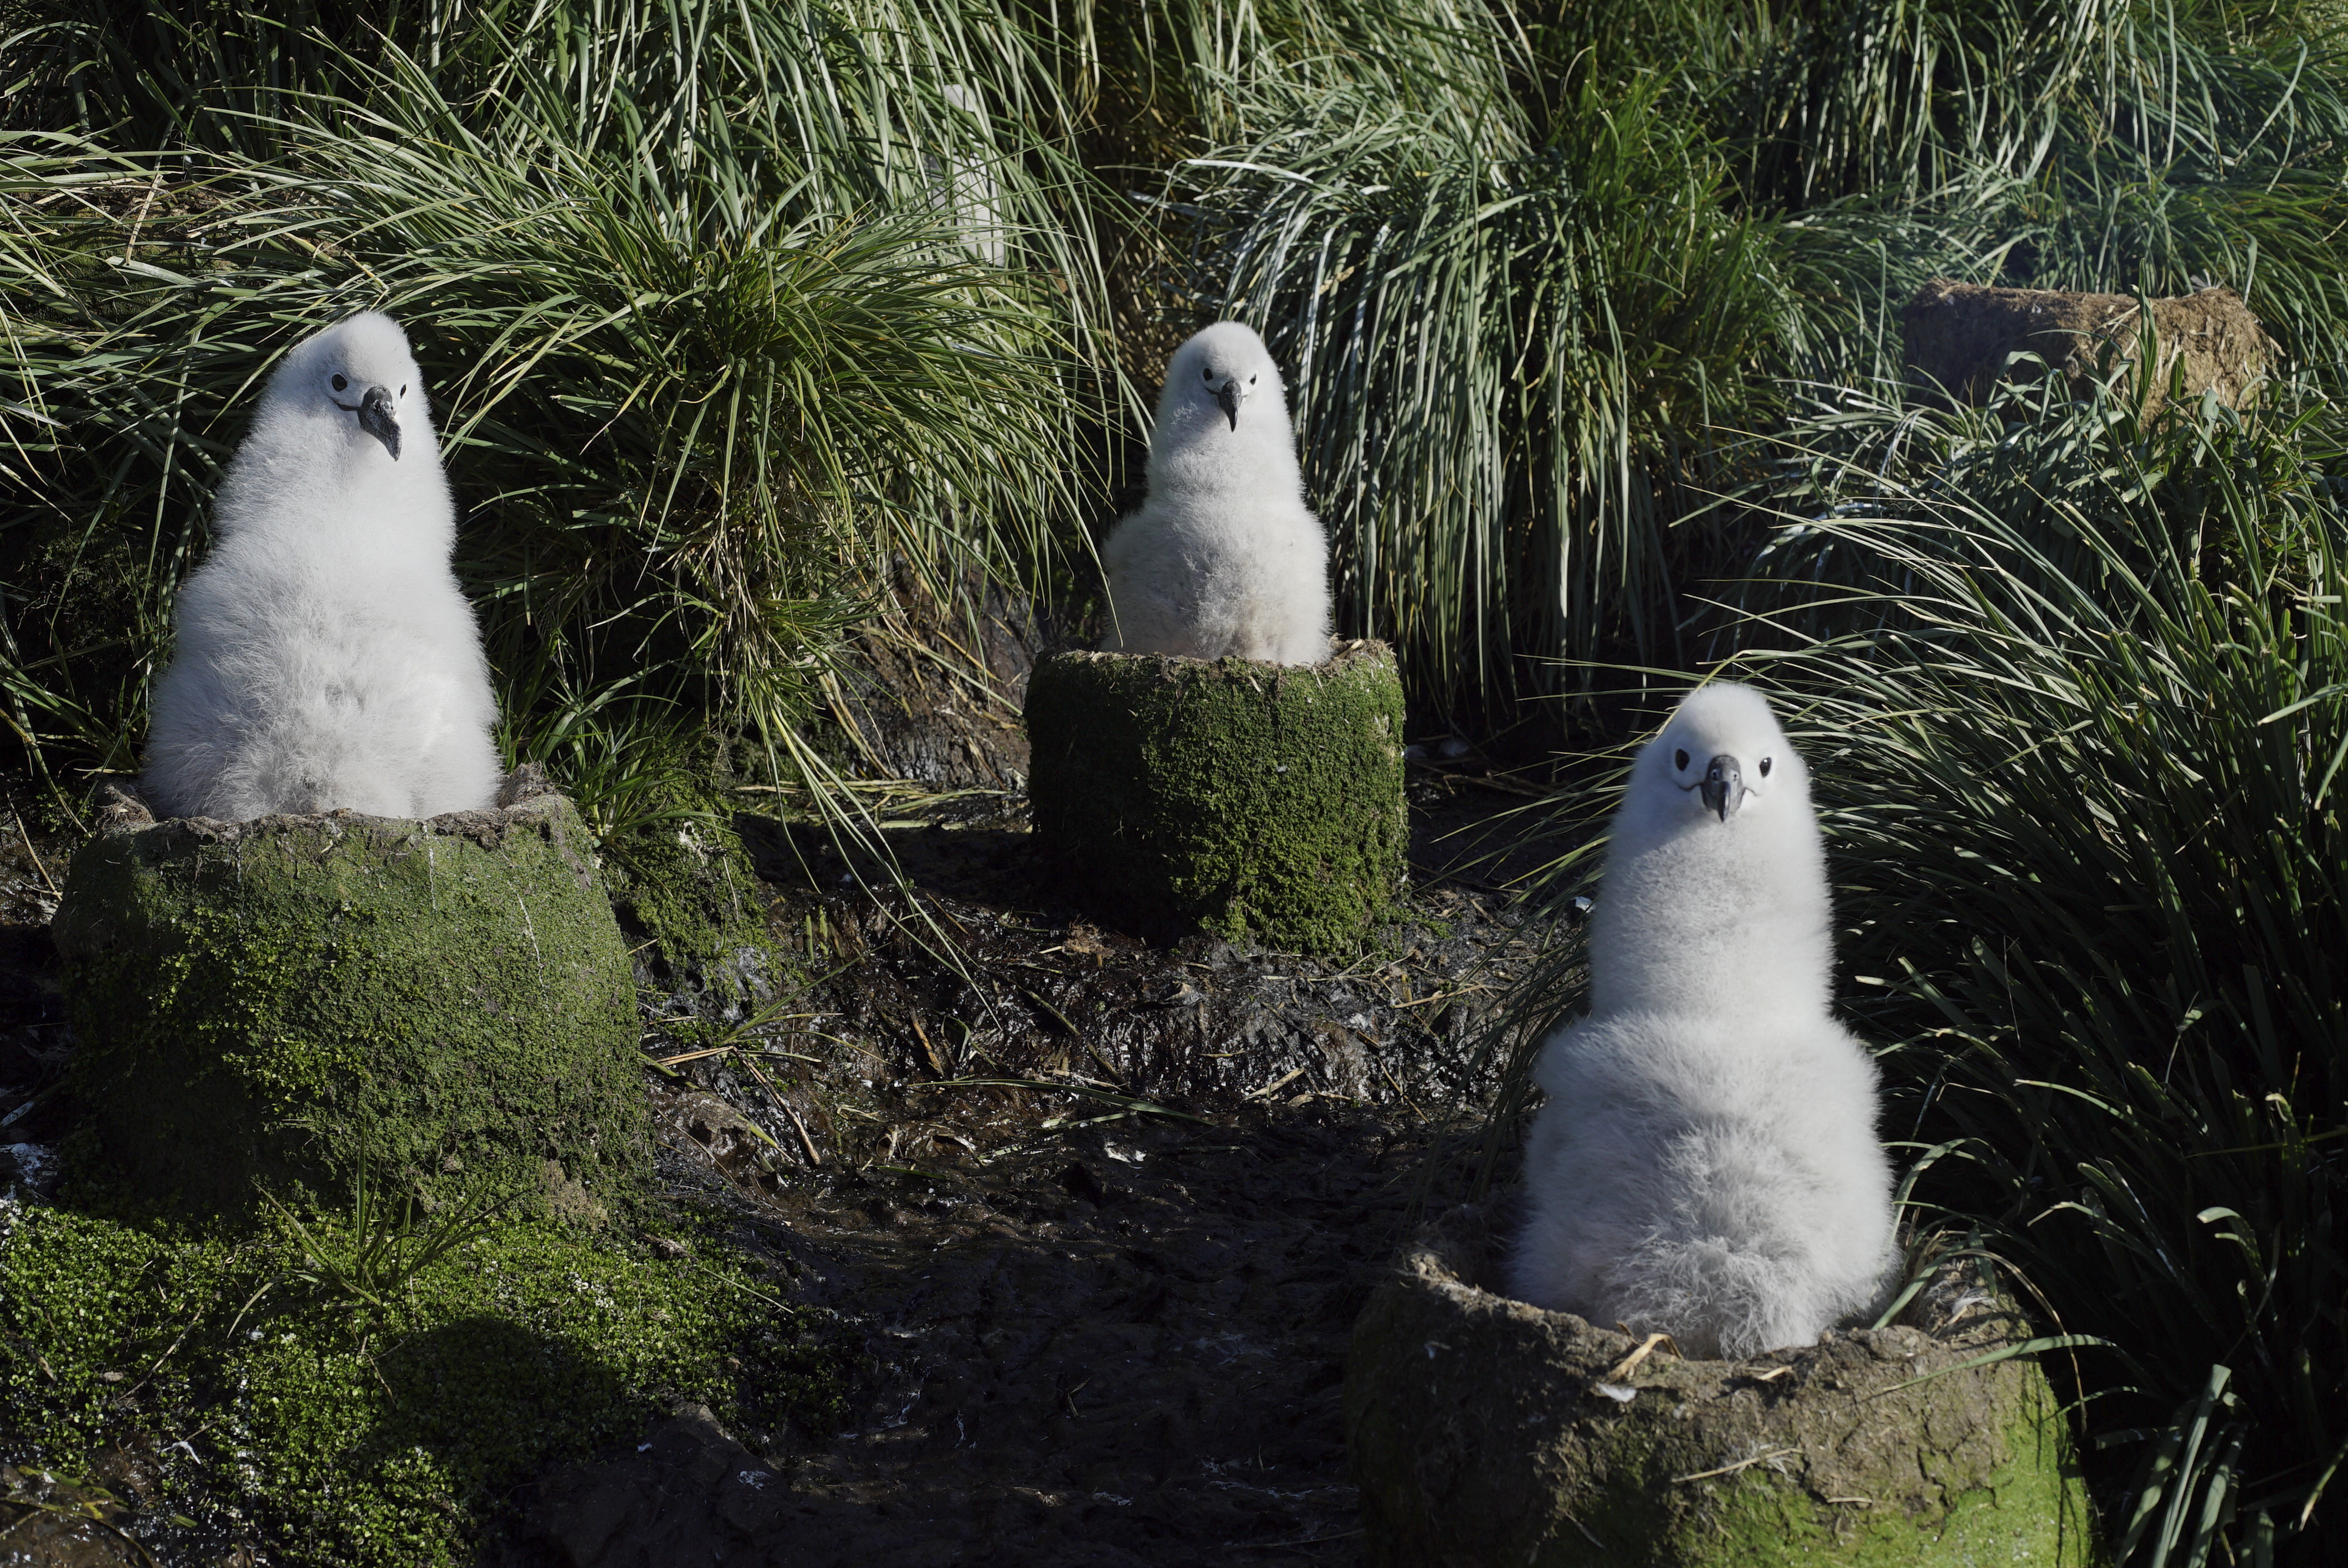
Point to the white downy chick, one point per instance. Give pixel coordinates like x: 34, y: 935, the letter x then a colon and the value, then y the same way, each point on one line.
x: 324, y: 656
x: 1708, y: 1162
x: 1224, y: 560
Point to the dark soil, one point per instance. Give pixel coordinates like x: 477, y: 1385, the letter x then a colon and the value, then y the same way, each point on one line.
x: 1100, y: 1214
x: 1122, y: 1347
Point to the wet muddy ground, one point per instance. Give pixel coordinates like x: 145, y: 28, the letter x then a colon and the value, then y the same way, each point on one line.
x: 1124, y: 1349
x: 1098, y: 1214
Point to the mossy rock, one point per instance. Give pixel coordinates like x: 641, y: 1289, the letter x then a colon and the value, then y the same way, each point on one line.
x: 1253, y: 799
x: 1482, y: 1432
x: 275, y: 1000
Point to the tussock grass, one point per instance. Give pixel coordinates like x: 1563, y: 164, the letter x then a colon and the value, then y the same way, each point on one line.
x: 1507, y: 349
x: 2083, y: 787
x: 728, y: 313
x: 1533, y: 294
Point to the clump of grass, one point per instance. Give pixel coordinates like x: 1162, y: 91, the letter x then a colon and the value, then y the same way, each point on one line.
x: 1506, y: 346
x: 382, y: 1249
x: 1533, y: 269
x: 715, y: 352
x: 2099, y: 495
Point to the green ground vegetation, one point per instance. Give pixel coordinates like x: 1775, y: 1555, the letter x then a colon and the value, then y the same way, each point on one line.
x: 1527, y: 265
x: 382, y: 1432
x: 2084, y: 773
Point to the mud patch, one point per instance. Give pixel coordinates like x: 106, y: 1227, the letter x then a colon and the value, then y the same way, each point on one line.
x: 1126, y: 1348
x: 1103, y: 1213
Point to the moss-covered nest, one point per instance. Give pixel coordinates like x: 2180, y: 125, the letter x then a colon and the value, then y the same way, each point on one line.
x: 1485, y: 1432
x: 1254, y: 800
x: 276, y: 1000
x: 690, y: 901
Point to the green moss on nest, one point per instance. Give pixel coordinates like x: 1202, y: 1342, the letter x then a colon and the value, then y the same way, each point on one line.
x: 687, y: 889
x: 1477, y: 1427
x: 366, y: 1437
x: 683, y: 884
x: 2031, y: 1506
x: 251, y: 1000
x: 1254, y: 800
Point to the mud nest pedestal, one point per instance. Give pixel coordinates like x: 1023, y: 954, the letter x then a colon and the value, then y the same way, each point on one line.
x: 279, y: 999
x: 1252, y: 800
x: 1959, y: 337
x: 1486, y: 1433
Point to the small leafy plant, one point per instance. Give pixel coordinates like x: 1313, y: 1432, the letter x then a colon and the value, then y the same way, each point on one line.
x: 383, y: 1248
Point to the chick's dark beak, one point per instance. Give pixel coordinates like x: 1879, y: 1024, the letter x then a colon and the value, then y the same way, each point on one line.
x: 377, y: 418
x: 1723, y: 785
x: 1228, y: 394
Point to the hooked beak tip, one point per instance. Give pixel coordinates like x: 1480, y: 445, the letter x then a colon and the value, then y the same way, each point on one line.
x: 377, y: 418
x: 1228, y: 394
x: 1724, y: 786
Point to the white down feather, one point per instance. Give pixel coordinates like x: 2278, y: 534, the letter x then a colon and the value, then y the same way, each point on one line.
x: 1224, y: 560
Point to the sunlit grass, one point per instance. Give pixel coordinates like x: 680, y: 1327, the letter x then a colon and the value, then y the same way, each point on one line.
x: 1507, y: 353
x: 712, y: 355
x: 1530, y: 283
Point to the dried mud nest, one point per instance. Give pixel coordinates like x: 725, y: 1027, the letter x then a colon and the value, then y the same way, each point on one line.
x: 1959, y: 338
x: 1483, y: 1430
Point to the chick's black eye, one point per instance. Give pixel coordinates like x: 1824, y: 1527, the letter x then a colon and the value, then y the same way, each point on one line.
x: 1250, y: 381
x: 403, y: 392
x: 1679, y: 760
x: 341, y: 383
x: 1207, y: 374
x: 1765, y: 766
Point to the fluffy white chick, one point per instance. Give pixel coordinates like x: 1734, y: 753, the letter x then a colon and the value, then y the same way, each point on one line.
x: 324, y: 655
x: 1224, y: 559
x: 1708, y: 1162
